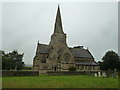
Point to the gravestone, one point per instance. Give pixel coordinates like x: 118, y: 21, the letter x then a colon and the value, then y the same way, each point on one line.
x: 99, y: 74
x: 114, y: 75
x: 103, y: 74
x: 95, y: 74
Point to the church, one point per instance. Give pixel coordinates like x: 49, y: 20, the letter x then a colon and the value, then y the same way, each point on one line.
x: 57, y: 56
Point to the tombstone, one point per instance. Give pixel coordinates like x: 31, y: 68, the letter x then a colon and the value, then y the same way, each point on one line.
x: 95, y: 74
x: 103, y: 74
x: 114, y: 74
x: 99, y: 74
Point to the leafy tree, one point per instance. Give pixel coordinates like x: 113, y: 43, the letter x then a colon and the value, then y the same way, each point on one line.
x: 110, y: 60
x: 5, y: 61
x: 12, y: 61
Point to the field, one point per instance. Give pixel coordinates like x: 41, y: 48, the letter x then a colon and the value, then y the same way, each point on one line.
x: 73, y: 81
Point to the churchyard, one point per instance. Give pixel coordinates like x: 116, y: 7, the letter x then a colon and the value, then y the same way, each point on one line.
x: 67, y: 81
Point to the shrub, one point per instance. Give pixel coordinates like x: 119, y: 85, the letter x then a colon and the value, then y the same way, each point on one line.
x: 72, y: 69
x: 27, y: 68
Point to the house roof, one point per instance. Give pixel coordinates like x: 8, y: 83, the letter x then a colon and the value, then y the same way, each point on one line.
x: 81, y: 53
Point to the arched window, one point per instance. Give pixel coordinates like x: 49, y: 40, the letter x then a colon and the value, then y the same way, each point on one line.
x: 44, y: 57
x: 67, y: 57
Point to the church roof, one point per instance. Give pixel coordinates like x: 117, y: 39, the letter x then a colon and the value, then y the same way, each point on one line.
x: 43, y: 48
x: 86, y: 63
x: 80, y: 53
x: 77, y: 52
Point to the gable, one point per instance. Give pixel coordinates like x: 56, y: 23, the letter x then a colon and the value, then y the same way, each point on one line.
x: 43, y: 48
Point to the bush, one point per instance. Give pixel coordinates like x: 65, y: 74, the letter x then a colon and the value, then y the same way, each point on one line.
x: 27, y: 68
x: 72, y: 69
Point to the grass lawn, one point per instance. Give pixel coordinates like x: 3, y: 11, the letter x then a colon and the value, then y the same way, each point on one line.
x: 72, y: 81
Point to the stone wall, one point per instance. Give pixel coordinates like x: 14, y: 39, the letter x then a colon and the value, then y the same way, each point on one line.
x: 20, y: 73
x: 57, y: 73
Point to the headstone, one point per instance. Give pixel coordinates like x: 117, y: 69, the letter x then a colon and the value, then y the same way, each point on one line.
x: 95, y: 74
x: 103, y: 74
x: 99, y: 74
x: 114, y: 75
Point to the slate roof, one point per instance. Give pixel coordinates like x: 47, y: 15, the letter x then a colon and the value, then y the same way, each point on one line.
x: 44, y: 48
x: 80, y: 53
x: 77, y: 52
x: 86, y: 63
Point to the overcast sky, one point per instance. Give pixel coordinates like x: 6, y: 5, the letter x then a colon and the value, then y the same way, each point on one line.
x: 91, y: 24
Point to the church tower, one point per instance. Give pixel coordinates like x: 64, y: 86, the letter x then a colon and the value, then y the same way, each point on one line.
x: 58, y: 37
x: 60, y: 50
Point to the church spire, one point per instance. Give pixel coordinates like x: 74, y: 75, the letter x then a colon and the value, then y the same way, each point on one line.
x: 58, y: 23
x: 58, y: 37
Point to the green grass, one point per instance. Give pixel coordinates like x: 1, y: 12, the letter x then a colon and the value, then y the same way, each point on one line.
x: 73, y: 81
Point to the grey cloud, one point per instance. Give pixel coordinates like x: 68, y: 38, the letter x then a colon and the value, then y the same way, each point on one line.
x: 93, y: 25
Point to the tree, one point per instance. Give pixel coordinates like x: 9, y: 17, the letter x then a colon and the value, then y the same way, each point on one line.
x: 12, y: 61
x: 110, y: 60
x: 5, y: 61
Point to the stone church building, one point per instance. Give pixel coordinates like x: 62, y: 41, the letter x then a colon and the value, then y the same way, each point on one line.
x: 57, y: 56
